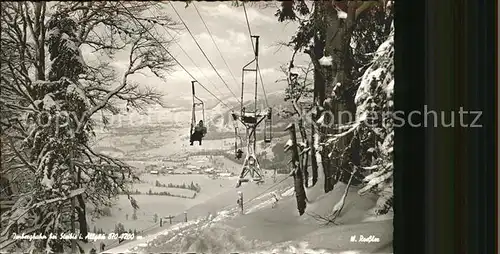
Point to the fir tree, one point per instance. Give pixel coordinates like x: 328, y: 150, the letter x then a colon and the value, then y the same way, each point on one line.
x: 134, y: 215
x: 119, y: 229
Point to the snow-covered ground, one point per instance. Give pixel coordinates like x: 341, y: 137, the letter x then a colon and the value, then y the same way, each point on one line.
x: 263, y: 229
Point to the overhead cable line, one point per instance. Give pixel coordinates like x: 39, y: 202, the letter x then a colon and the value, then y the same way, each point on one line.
x: 217, y: 47
x: 192, y: 61
x: 166, y: 50
x: 203, y: 52
x: 253, y: 47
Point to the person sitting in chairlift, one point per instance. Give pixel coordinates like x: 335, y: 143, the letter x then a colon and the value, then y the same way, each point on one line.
x: 239, y: 154
x: 199, y: 132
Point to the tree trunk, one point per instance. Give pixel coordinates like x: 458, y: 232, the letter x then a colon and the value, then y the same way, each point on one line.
x: 304, y: 156
x: 333, y: 47
x: 328, y: 168
x: 39, y: 37
x: 338, y: 37
x: 316, y: 53
x: 306, y: 169
x: 314, y: 162
x: 356, y: 160
x: 82, y: 218
x: 81, y: 211
x: 317, y: 189
x: 336, y: 44
x: 300, y: 193
x: 297, y: 174
x: 322, y: 166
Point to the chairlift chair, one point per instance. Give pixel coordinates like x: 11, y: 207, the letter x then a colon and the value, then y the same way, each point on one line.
x: 197, y: 102
x: 237, y: 150
x: 268, y: 125
x: 248, y: 117
x: 238, y: 153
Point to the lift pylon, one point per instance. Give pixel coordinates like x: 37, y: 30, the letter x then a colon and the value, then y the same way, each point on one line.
x: 251, y: 118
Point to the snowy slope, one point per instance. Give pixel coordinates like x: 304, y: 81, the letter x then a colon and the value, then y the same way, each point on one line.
x: 263, y: 229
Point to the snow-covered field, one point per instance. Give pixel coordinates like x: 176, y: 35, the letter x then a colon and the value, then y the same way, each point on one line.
x: 161, y: 205
x: 263, y: 229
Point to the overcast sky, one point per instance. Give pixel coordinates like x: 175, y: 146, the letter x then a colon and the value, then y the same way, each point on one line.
x: 229, y: 30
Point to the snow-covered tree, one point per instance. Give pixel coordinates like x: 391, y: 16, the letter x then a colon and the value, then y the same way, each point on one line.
x: 374, y: 98
x: 134, y: 214
x: 374, y: 126
x: 337, y: 36
x: 119, y: 229
x: 48, y: 116
x: 299, y: 93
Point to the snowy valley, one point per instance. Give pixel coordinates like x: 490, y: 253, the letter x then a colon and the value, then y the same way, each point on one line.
x: 102, y: 138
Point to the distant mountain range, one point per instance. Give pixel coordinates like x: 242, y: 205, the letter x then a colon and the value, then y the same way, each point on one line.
x: 185, y: 101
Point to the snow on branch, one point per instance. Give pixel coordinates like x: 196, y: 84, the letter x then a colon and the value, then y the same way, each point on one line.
x: 341, y: 14
x: 353, y: 128
x: 72, y: 194
x: 375, y: 181
x: 326, y: 61
x: 337, y: 208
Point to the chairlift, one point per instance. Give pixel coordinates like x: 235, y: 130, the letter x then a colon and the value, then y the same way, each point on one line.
x: 268, y: 125
x: 238, y: 152
x: 237, y: 149
x: 198, y: 130
x: 248, y: 117
x: 251, y: 170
